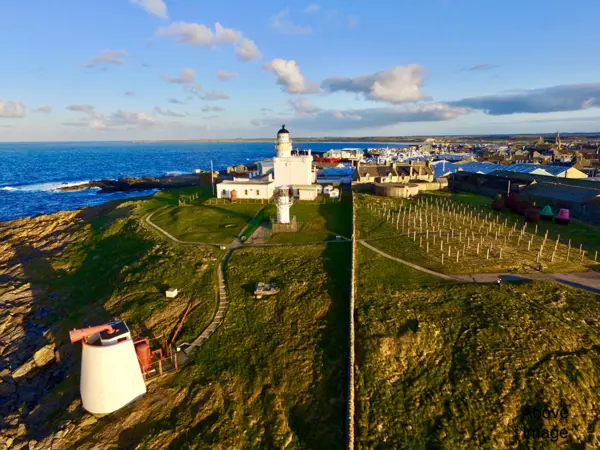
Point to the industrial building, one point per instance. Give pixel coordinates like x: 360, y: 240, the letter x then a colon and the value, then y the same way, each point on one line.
x: 532, y: 169
x: 580, y: 196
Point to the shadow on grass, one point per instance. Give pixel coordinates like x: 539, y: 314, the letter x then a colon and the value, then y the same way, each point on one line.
x: 320, y: 423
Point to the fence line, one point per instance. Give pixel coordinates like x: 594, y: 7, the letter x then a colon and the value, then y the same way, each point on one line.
x: 351, y: 356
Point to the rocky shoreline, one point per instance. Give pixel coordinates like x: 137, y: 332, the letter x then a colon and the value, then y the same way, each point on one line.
x: 143, y: 184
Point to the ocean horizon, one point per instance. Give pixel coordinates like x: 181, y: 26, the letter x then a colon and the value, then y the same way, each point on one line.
x: 30, y: 172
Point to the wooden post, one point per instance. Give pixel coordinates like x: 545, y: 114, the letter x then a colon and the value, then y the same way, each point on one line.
x: 580, y: 248
x: 427, y: 246
x: 420, y: 241
x: 457, y: 253
x: 536, y: 228
x: 442, y: 259
x: 449, y: 249
x: 596, y: 256
x: 478, y: 248
x: 501, y: 252
x: 582, y: 255
x: 487, y: 256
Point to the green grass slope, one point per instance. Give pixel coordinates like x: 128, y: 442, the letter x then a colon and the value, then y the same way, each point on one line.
x: 456, y: 366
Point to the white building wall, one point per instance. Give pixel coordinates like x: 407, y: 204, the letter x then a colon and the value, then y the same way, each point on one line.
x: 245, y: 190
x: 293, y: 170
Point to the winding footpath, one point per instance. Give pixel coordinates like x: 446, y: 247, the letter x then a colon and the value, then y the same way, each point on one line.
x: 589, y: 281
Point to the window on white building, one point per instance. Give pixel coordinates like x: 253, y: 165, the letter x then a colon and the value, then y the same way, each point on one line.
x: 246, y: 192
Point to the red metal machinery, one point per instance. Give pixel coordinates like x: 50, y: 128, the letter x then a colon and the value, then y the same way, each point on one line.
x: 78, y: 334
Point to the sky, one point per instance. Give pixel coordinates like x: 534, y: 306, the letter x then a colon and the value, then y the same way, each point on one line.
x: 97, y: 70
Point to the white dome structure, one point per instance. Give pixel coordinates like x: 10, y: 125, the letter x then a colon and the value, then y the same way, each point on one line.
x: 111, y: 376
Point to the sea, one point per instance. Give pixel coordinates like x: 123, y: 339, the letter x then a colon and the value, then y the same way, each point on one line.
x: 30, y: 173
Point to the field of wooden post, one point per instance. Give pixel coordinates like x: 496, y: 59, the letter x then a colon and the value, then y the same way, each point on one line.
x: 446, y: 235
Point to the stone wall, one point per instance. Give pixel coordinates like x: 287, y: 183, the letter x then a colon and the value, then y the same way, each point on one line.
x: 351, y: 350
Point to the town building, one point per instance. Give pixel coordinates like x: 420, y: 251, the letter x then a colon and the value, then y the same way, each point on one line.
x: 392, y: 172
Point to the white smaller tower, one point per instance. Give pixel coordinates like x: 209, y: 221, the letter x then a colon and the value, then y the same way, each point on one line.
x: 111, y: 376
x: 284, y: 204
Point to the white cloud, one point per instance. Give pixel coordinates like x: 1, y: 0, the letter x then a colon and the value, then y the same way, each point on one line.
x: 397, y: 85
x: 213, y: 109
x: 46, y: 109
x: 312, y: 8
x: 303, y: 107
x: 97, y: 120
x: 352, y: 22
x: 176, y: 101
x: 226, y: 76
x: 12, y: 110
x: 246, y: 50
x: 290, y: 78
x: 316, y: 119
x: 215, y: 95
x: 200, y: 35
x: 188, y: 76
x: 106, y: 57
x: 167, y: 112
x: 129, y: 94
x: 88, y: 110
x: 282, y: 23
x: 154, y: 7
x: 141, y: 119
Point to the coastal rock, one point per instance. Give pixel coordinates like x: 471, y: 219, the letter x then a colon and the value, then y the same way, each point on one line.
x: 24, y: 369
x: 87, y: 420
x: 44, y: 356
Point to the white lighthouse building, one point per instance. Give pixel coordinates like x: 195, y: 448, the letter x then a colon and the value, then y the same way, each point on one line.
x: 291, y: 170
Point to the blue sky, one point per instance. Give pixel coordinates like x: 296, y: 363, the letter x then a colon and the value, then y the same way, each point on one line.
x: 148, y: 69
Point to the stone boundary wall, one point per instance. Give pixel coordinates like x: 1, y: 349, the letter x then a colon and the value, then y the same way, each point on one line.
x: 351, y: 349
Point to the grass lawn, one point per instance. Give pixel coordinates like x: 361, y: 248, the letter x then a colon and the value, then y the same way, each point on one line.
x: 218, y: 224
x: 272, y: 376
x: 320, y: 221
x: 458, y: 365
x: 170, y: 197
x: 387, y: 223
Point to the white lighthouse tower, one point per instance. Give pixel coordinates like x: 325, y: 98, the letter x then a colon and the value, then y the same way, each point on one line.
x: 284, y: 203
x: 291, y: 170
x: 284, y: 143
